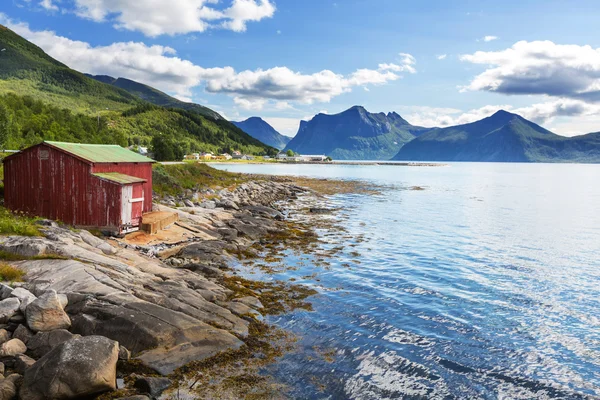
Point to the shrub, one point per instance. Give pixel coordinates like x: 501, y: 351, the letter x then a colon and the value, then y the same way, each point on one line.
x: 8, y: 273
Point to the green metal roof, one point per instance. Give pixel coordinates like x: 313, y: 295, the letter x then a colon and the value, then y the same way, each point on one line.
x: 100, y: 153
x: 119, y: 178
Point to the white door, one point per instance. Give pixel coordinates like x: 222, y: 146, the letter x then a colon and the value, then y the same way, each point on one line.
x: 126, y: 197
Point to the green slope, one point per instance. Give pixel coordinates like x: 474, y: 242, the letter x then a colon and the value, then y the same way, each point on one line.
x: 42, y: 99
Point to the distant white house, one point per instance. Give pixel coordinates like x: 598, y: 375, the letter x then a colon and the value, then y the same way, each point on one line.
x: 143, y: 150
x: 314, y: 158
x: 301, y: 158
x: 226, y: 156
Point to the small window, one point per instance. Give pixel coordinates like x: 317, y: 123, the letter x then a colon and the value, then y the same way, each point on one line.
x: 44, y: 154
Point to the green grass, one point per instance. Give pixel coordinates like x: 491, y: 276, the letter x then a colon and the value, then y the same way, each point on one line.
x: 17, y: 224
x: 7, y: 256
x: 174, y: 179
x: 8, y: 273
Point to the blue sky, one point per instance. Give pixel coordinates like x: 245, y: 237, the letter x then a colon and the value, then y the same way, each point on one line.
x: 288, y: 60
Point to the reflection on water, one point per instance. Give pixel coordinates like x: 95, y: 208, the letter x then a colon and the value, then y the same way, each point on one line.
x: 484, y: 285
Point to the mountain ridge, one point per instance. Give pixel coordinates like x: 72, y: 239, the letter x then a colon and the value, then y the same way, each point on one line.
x: 501, y: 137
x: 154, y: 96
x: 354, y: 133
x: 263, y: 131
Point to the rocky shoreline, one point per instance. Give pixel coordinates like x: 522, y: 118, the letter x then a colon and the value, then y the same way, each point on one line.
x: 116, y: 319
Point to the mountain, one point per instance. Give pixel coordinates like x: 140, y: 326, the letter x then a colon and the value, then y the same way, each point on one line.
x: 502, y: 137
x: 25, y: 69
x: 354, y: 134
x: 43, y: 99
x: 261, y: 130
x: 154, y: 96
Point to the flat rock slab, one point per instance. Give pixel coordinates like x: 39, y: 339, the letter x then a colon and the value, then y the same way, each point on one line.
x: 166, y: 361
x: 165, y: 316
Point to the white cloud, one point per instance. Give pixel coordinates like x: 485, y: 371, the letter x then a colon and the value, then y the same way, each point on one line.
x: 285, y: 126
x: 243, y: 11
x: 489, y: 38
x: 249, y: 104
x: 159, y: 67
x: 541, y: 113
x: 158, y: 17
x: 48, y: 5
x: 540, y: 67
x: 442, y: 117
x: 442, y: 56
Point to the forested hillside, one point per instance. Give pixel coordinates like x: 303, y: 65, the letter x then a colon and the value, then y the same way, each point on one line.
x: 43, y: 99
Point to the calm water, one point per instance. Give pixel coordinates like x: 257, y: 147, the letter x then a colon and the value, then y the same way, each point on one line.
x: 484, y: 285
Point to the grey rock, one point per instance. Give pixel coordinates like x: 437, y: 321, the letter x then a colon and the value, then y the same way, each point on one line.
x: 43, y: 342
x: 317, y: 210
x: 63, y: 299
x: 188, y: 203
x: 23, y: 333
x: 228, y: 234
x: 4, y: 336
x: 22, y: 363
x: 47, y: 222
x: 151, y: 385
x: 124, y: 354
x: 77, y: 368
x: 28, y: 248
x: 250, y: 302
x: 164, y: 339
x: 210, y: 251
x: 243, y: 310
x: 210, y: 205
x: 8, y: 387
x: 205, y: 270
x: 227, y: 204
x: 265, y: 212
x: 8, y: 308
x: 12, y: 348
x: 17, y: 319
x: 46, y: 313
x: 5, y: 291
x: 252, y: 230
x: 137, y: 397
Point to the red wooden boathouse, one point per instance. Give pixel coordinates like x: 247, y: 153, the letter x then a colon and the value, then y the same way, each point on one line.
x: 86, y: 185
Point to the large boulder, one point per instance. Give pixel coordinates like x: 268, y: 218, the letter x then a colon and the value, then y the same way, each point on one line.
x: 46, y: 313
x: 41, y: 344
x: 167, y: 339
x: 4, y: 336
x: 77, y: 368
x: 24, y: 296
x: 8, y: 308
x: 152, y: 385
x: 23, y: 363
x: 12, y: 348
x: 8, y: 388
x: 23, y: 333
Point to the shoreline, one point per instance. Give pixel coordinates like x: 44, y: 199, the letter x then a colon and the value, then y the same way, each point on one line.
x: 381, y: 163
x: 214, y: 317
